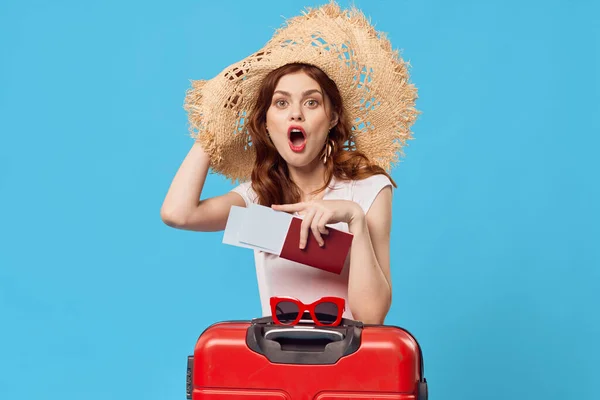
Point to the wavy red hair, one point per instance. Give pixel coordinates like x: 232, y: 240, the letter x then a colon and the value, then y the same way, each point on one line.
x: 270, y: 174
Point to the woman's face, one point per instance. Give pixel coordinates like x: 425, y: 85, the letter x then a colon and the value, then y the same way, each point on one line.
x: 297, y: 120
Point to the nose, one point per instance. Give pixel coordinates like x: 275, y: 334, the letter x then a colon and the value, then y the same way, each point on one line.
x: 296, y: 114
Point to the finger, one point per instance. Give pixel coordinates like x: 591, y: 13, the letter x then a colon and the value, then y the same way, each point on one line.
x: 314, y: 226
x: 322, y: 221
x: 306, y: 222
x: 289, y: 207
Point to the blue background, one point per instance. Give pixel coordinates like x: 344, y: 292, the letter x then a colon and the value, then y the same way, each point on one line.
x: 495, y: 233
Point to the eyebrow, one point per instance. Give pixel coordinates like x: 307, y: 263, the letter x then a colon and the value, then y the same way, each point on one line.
x: 305, y: 93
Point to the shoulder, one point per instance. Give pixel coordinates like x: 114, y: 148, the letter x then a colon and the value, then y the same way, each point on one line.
x: 365, y: 191
x: 245, y: 190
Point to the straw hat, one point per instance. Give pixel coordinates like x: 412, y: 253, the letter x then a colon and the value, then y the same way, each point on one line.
x: 372, y: 78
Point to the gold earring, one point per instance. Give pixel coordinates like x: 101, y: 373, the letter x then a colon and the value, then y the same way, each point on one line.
x: 329, y: 147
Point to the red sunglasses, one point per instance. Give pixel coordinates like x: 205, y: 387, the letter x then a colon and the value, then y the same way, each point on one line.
x: 327, y: 311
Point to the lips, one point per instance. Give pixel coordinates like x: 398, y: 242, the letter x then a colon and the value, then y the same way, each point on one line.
x: 296, y: 138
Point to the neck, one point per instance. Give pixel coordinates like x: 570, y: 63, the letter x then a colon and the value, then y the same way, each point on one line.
x: 308, y: 178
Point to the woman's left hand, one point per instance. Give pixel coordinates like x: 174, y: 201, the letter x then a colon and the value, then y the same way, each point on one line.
x: 318, y: 213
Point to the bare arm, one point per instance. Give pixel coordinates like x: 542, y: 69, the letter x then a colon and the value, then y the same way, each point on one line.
x: 369, y: 286
x: 182, y: 207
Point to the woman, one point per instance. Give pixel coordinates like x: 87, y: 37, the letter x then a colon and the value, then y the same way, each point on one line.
x: 307, y: 155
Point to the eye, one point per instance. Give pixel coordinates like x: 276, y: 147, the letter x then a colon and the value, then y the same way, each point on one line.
x: 280, y: 103
x: 312, y: 103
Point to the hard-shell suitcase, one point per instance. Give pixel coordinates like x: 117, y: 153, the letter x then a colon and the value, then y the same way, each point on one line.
x: 243, y: 360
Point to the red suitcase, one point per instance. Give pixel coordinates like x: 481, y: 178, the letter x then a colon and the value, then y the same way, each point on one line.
x: 257, y: 359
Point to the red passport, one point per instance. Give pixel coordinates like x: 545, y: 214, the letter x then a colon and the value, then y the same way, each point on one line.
x: 276, y: 232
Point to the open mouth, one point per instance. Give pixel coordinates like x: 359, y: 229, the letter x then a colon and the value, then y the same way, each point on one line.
x: 296, y: 138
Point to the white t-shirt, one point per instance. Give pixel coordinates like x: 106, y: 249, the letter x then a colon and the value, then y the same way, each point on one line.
x: 280, y: 277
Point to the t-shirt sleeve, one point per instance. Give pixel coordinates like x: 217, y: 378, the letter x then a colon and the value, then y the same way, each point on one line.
x: 366, y: 190
x: 245, y: 190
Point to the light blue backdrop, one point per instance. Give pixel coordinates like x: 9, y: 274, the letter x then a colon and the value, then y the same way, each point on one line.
x: 495, y: 233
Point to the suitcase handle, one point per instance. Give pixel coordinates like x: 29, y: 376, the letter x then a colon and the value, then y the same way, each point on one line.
x: 306, y: 345
x: 303, y: 333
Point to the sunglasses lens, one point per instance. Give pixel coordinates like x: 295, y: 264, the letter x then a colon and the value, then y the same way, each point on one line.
x: 327, y: 312
x: 286, y: 312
